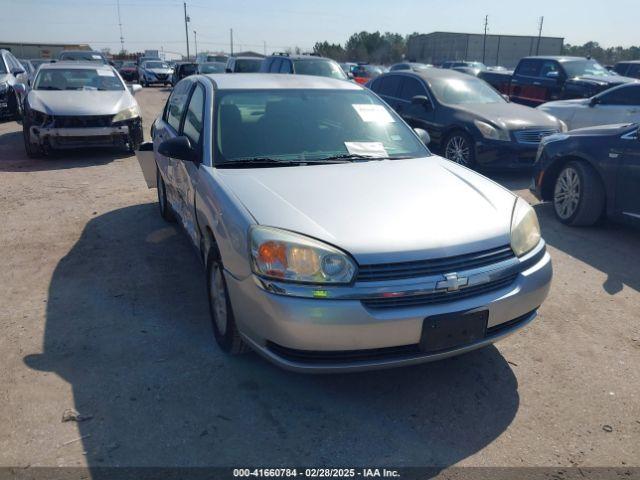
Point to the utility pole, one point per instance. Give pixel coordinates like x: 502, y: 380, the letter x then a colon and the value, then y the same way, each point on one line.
x: 484, y: 40
x: 186, y: 27
x: 540, y: 23
x: 231, y: 40
x: 195, y: 40
x: 120, y: 25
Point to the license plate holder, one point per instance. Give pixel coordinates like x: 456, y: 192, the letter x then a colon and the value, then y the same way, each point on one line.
x: 451, y: 330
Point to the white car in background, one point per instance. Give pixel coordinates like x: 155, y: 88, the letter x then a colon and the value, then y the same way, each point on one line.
x: 619, y: 104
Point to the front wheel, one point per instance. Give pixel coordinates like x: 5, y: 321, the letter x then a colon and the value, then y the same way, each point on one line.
x: 459, y: 148
x: 578, y: 195
x: 224, y: 324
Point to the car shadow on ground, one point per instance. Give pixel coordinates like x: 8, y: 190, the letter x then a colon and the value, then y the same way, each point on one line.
x: 13, y: 157
x: 609, y: 247
x: 127, y: 326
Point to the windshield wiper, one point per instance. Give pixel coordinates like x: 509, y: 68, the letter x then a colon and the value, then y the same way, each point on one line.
x: 356, y: 156
x: 257, y: 162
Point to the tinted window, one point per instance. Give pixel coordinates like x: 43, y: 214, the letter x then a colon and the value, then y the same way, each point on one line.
x: 634, y: 70
x: 530, y: 68
x: 389, y: 85
x: 320, y: 67
x: 194, y: 117
x: 548, y: 67
x: 628, y: 95
x: 247, y: 65
x: 410, y: 88
x: 306, y: 124
x: 275, y: 65
x: 285, y: 66
x: 621, y: 68
x: 176, y: 104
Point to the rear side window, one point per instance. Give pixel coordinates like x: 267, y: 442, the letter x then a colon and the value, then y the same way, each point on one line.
x: 529, y: 68
x: 176, y: 104
x: 622, y: 96
x: 634, y: 70
x: 621, y: 68
x: 389, y: 86
x: 194, y: 117
x: 410, y: 88
x: 285, y: 66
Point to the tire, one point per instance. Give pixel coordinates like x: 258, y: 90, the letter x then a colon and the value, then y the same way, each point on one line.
x: 459, y: 147
x: 33, y: 151
x: 15, y: 107
x: 578, y: 195
x: 223, y: 322
x: 165, y: 208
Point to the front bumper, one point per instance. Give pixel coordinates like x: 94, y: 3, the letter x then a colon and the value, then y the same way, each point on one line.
x: 490, y: 153
x: 61, y: 138
x: 328, y: 335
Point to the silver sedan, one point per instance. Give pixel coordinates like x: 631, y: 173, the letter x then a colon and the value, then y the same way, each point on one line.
x: 333, y: 239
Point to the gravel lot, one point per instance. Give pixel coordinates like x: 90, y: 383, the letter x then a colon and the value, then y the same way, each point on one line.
x: 103, y: 310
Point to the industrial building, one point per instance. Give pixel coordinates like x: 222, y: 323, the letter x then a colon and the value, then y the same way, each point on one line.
x: 504, y: 50
x: 40, y: 50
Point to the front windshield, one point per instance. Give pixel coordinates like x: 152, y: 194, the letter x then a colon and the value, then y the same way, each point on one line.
x: 459, y: 91
x: 77, y: 79
x: 309, y: 125
x: 212, y: 67
x: 581, y: 68
x: 248, y: 65
x: 156, y: 65
x: 322, y: 68
x: 83, y: 56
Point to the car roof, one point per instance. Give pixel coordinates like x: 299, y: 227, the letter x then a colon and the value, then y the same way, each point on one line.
x: 74, y: 65
x: 277, y: 81
x: 559, y: 58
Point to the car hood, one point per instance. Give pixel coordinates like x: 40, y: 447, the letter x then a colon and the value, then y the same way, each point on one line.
x: 511, y: 116
x: 576, y: 102
x: 390, y: 210
x: 606, y: 79
x: 613, y: 129
x: 80, y: 102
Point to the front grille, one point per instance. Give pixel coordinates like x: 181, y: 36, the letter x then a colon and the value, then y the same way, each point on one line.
x: 82, y: 121
x: 423, y: 268
x: 533, y: 136
x: 161, y: 76
x: 341, y: 356
x: 438, y: 296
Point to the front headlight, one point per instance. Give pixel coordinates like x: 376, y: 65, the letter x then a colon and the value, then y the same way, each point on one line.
x: 525, y: 229
x: 492, y: 133
x: 126, y: 114
x: 288, y: 256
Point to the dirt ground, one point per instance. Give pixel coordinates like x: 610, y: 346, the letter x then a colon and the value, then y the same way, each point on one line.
x: 103, y: 310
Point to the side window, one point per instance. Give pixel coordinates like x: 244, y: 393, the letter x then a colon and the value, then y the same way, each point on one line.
x: 626, y: 96
x: 285, y: 67
x: 529, y: 68
x: 275, y: 65
x: 375, y: 85
x: 176, y: 104
x: 548, y: 67
x: 194, y: 117
x: 389, y: 85
x: 621, y: 68
x: 634, y: 70
x: 410, y: 88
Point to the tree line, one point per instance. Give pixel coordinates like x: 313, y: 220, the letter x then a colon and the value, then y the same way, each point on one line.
x: 387, y: 48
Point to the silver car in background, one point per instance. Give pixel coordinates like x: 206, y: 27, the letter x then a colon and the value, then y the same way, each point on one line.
x: 152, y: 72
x: 333, y: 239
x: 79, y: 104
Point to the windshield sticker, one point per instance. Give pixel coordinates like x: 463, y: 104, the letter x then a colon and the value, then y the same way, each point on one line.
x: 369, y: 149
x: 106, y: 73
x: 373, y: 113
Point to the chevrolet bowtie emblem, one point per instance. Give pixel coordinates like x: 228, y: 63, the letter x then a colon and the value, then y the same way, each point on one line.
x: 452, y: 282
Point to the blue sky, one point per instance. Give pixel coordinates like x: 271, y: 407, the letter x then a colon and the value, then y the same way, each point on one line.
x: 289, y: 23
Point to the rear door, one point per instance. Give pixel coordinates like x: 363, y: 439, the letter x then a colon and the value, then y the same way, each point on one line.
x: 618, y: 105
x: 628, y: 184
x: 186, y: 173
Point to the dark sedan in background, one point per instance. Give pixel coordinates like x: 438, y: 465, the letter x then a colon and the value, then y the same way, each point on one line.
x: 467, y: 120
x: 129, y: 71
x: 182, y: 70
x: 590, y: 173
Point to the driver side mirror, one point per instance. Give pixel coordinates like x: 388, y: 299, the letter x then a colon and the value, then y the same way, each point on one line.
x: 594, y: 101
x: 134, y: 88
x: 424, y: 136
x: 421, y: 100
x: 20, y: 88
x: 179, y: 148
x: 17, y: 71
